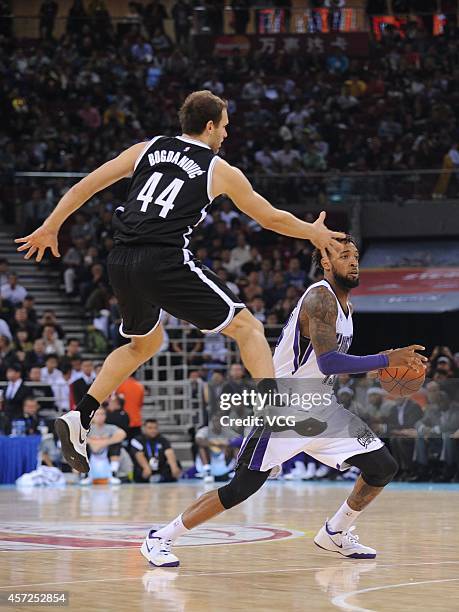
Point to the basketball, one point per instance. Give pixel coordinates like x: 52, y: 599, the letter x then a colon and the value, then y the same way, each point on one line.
x: 401, y: 381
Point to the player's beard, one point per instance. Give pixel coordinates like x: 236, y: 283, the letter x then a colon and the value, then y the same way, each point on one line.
x: 346, y: 282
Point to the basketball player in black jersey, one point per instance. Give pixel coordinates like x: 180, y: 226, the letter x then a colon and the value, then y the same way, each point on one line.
x: 174, y: 180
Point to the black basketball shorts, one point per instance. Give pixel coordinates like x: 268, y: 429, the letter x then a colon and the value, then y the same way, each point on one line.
x: 148, y: 279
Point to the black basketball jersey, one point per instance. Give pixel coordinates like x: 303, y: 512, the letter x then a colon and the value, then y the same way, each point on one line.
x: 168, y: 193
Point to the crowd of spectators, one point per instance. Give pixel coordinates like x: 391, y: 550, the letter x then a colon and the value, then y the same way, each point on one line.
x: 69, y: 104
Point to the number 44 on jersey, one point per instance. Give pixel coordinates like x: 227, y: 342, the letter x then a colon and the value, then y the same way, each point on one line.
x: 165, y: 199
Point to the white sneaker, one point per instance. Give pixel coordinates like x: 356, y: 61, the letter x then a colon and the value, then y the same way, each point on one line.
x: 114, y: 481
x: 84, y: 482
x: 209, y: 478
x: 157, y: 551
x: 343, y: 542
x: 73, y: 440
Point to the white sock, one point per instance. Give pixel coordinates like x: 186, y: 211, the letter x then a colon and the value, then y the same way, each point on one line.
x: 114, y: 466
x: 173, y: 530
x: 344, y: 518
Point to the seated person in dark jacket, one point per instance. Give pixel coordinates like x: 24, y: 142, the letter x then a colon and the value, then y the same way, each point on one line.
x: 15, y: 392
x: 403, y: 416
x: 115, y: 415
x: 153, y: 457
x: 30, y: 415
x: 39, y: 390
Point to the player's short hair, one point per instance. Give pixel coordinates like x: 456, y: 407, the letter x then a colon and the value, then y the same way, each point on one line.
x: 199, y: 108
x: 317, y: 255
x: 154, y: 421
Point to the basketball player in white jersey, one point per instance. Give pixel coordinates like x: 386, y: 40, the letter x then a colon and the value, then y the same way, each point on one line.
x: 311, y: 350
x: 174, y: 179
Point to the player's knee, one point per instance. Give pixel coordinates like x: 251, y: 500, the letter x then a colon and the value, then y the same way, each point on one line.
x: 147, y: 346
x: 243, y: 326
x: 383, y: 471
x: 378, y: 467
x: 244, y: 484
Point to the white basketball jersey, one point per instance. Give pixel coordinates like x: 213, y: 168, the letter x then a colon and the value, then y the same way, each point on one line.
x: 294, y: 354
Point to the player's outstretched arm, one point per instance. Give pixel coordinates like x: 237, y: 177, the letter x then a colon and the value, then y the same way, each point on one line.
x: 318, y: 322
x: 104, y: 176
x: 230, y: 180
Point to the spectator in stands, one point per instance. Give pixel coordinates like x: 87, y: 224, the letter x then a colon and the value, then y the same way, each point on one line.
x: 72, y: 349
x: 49, y: 318
x: 39, y: 390
x: 133, y: 393
x: 405, y: 414
x: 29, y: 305
x: 35, y: 211
x: 428, y: 440
x: 257, y: 307
x: 80, y: 386
x: 296, y: 276
x: 214, y: 85
x: 75, y: 366
x: 22, y: 343
x: 218, y: 447
x: 21, y: 323
x: 15, y: 392
x: 104, y: 446
x: 12, y: 290
x: 240, y: 255
x: 378, y: 410
x: 36, y: 356
x: 345, y: 396
x: 90, y: 116
x: 154, y: 458
x: 30, y: 415
x: 53, y: 344
x: 115, y: 414
x: 52, y: 376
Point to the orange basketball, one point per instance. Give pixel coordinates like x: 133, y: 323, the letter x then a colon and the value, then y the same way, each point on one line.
x: 401, y: 381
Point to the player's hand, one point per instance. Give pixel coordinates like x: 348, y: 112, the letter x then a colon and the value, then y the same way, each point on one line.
x: 176, y: 472
x: 324, y: 239
x: 408, y: 357
x: 42, y: 238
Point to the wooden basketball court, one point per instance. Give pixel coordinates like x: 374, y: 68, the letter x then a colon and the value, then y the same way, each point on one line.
x: 259, y: 556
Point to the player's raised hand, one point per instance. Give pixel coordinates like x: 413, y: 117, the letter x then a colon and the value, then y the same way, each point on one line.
x: 38, y: 241
x: 324, y: 239
x: 408, y: 357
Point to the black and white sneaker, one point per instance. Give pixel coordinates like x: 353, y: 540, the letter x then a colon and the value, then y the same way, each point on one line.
x: 73, y: 440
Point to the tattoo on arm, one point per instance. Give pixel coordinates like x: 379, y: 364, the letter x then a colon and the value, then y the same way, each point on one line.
x: 362, y: 495
x: 319, y: 310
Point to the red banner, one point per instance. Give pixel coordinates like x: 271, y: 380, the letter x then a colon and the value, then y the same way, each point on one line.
x: 353, y: 44
x: 407, y: 281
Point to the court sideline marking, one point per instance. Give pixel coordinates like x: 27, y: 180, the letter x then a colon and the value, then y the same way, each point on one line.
x: 340, y: 600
